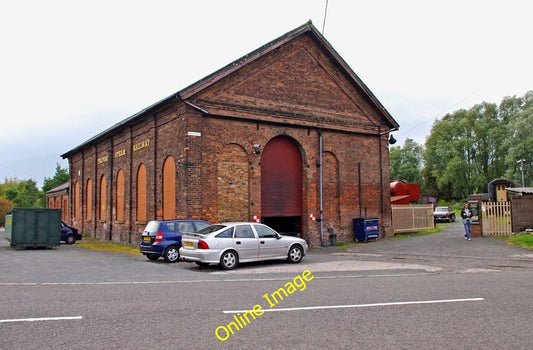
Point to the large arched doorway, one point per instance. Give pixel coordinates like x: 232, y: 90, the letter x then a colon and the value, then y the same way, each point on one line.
x: 281, y: 185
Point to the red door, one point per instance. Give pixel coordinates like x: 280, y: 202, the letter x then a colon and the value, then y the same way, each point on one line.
x: 281, y: 179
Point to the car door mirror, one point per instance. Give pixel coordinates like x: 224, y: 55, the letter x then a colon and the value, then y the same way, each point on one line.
x: 278, y: 236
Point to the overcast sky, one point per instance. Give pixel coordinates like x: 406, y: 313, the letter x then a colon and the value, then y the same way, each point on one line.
x: 71, y: 69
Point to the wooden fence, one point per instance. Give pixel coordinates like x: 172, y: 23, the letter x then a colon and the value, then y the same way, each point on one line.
x: 410, y: 218
x: 496, y: 218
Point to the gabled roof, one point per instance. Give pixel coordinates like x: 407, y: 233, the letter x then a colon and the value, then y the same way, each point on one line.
x: 61, y: 187
x: 209, y: 80
x: 307, y: 28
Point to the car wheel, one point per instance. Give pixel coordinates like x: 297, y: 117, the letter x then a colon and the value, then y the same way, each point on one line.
x: 229, y: 260
x: 201, y: 264
x: 295, y: 254
x: 172, y: 254
x: 152, y: 256
x: 70, y: 239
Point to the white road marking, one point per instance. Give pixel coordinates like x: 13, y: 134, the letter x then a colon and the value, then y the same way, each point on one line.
x: 359, y: 305
x: 29, y: 284
x: 42, y: 319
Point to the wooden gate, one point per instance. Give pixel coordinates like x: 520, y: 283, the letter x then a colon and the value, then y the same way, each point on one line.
x: 496, y: 218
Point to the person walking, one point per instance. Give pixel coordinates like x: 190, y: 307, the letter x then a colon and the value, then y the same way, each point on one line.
x: 466, y: 214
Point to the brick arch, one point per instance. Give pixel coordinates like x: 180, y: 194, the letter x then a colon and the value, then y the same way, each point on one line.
x: 331, y: 189
x: 282, y: 185
x: 169, y: 188
x: 142, y: 205
x: 64, y: 210
x: 103, y: 198
x: 89, y: 200
x: 77, y: 202
x: 233, y: 184
x: 120, y: 198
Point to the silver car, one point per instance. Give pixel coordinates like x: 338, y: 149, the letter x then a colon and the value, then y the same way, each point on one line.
x: 230, y: 243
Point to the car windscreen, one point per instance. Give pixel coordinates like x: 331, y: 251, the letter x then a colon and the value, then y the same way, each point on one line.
x: 211, y: 228
x: 441, y: 210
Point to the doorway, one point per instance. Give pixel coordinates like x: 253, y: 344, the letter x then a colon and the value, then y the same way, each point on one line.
x: 281, y: 186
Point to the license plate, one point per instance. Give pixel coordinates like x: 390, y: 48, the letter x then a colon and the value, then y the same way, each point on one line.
x: 189, y: 244
x: 147, y: 238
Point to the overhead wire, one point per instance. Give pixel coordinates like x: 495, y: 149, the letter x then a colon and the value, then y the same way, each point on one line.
x: 325, y: 15
x: 440, y: 113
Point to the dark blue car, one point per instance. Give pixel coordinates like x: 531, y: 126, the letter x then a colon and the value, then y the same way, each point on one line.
x: 69, y: 234
x: 162, y: 238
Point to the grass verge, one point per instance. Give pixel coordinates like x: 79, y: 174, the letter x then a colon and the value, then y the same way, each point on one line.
x: 108, y: 246
x: 522, y: 240
x: 519, y: 240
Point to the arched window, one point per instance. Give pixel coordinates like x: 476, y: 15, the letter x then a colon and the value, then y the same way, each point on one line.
x: 141, y: 193
x: 77, y: 202
x: 120, y: 195
x: 103, y: 198
x: 169, y: 189
x: 64, y: 209
x: 89, y: 200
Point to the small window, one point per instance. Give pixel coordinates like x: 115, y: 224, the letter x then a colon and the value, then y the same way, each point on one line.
x: 171, y: 226
x: 226, y: 233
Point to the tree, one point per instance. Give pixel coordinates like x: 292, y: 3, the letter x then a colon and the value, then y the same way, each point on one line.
x: 443, y: 146
x: 518, y: 143
x: 406, y: 162
x: 60, y: 177
x: 5, y: 206
x: 23, y: 193
x: 469, y: 148
x: 461, y: 151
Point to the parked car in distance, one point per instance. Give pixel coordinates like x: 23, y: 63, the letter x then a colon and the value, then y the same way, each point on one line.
x: 443, y: 214
x: 162, y: 238
x: 229, y: 244
x: 69, y: 234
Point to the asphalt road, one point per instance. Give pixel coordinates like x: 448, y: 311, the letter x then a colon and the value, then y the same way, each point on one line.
x: 431, y: 292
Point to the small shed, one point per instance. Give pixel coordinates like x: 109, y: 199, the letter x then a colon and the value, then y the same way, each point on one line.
x: 521, y: 207
x: 497, y: 189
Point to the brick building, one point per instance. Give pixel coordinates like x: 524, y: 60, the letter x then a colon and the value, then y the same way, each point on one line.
x: 284, y: 134
x: 57, y: 198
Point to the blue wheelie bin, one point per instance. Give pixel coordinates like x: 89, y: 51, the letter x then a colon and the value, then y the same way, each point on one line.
x: 365, y: 229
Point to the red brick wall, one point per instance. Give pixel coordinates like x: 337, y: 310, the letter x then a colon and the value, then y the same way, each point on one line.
x: 295, y: 91
x: 58, y: 200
